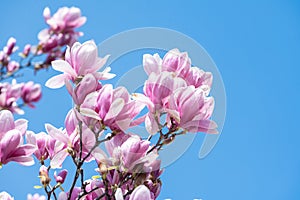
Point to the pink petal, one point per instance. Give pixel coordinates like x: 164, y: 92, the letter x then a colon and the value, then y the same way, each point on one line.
x: 119, y: 194
x: 151, y: 124
x: 21, y: 125
x: 23, y: 160
x: 57, y: 134
x: 115, y: 108
x: 56, y: 81
x: 63, y: 66
x: 140, y: 193
x: 151, y: 63
x: 6, y: 121
x: 58, y: 159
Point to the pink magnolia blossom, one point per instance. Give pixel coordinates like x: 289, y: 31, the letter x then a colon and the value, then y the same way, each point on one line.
x: 11, y: 140
x: 87, y: 85
x: 35, y: 197
x: 71, y: 142
x: 46, y: 146
x: 194, y: 118
x: 157, y: 89
x: 174, y: 61
x: 180, y: 64
x: 129, y: 151
x: 113, y: 107
x: 80, y: 60
x: 7, y: 123
x: 39, y: 140
x: 5, y: 196
x: 133, y: 151
x: 197, y: 77
x: 31, y: 93
x: 64, y: 19
x: 9, y: 94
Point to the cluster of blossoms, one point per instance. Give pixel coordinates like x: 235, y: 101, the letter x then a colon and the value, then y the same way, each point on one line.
x: 61, y: 32
x: 52, y: 42
x: 15, y: 95
x: 128, y: 168
x: 7, y: 65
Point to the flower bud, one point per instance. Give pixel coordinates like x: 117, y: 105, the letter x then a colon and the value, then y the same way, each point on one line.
x: 44, y: 176
x: 26, y: 50
x: 13, y: 66
x: 61, y: 176
x: 9, y: 49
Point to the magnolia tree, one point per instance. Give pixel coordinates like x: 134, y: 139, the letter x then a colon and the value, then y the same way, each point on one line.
x: 175, y: 97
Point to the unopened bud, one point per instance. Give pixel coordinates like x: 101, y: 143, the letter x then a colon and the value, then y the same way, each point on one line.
x: 44, y: 176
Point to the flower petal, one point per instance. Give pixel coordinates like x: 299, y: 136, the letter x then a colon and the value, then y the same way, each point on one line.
x: 56, y: 81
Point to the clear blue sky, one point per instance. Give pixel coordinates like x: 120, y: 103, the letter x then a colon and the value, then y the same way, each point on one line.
x: 256, y: 46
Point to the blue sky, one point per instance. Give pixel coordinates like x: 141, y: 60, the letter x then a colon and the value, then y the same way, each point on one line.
x: 256, y: 46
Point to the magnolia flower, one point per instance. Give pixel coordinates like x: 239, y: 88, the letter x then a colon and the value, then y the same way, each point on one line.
x: 113, y: 107
x: 9, y: 94
x: 86, y: 86
x: 195, y: 118
x: 11, y: 140
x: 179, y: 64
x: 174, y: 61
x: 129, y: 152
x: 13, y: 149
x: 152, y: 63
x: 64, y: 19
x: 159, y: 87
x: 31, y: 93
x: 80, y: 60
x: 157, y: 90
x: 133, y: 151
x: 39, y: 140
x: 71, y: 142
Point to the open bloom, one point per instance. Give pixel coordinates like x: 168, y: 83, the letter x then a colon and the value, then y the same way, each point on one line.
x: 64, y: 19
x: 11, y: 140
x: 179, y: 64
x: 31, y: 93
x: 195, y: 118
x: 87, y: 85
x: 174, y: 61
x: 113, y: 107
x: 80, y: 60
x: 9, y: 94
x: 71, y: 143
